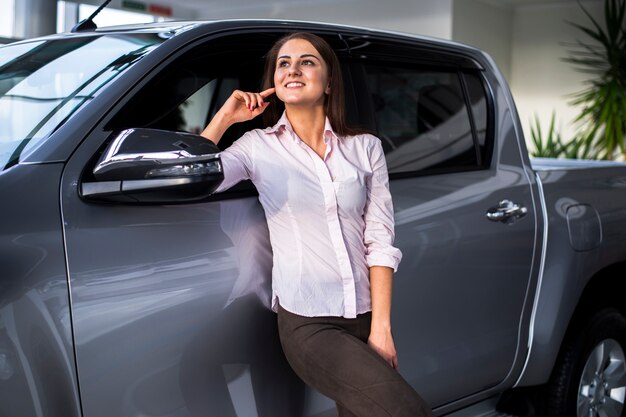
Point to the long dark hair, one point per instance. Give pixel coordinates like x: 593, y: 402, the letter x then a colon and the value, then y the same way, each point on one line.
x: 334, y: 103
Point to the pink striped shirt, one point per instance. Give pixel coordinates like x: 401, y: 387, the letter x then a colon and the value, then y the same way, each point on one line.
x: 329, y: 219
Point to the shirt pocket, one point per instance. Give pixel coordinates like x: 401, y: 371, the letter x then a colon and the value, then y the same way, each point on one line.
x: 351, y: 191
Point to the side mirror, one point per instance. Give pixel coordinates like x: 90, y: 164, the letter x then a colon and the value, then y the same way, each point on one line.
x: 150, y: 166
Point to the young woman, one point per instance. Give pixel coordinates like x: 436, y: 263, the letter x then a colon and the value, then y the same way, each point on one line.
x: 324, y: 190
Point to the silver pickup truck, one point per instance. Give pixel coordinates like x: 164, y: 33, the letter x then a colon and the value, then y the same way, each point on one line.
x: 128, y: 289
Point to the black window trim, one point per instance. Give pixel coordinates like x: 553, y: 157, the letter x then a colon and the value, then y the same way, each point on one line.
x: 490, y: 128
x: 470, y: 111
x: 444, y: 55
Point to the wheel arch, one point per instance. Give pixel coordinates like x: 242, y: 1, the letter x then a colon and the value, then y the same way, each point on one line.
x: 528, y: 393
x: 605, y: 288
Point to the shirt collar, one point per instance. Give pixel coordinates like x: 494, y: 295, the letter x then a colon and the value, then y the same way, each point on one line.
x: 283, y: 124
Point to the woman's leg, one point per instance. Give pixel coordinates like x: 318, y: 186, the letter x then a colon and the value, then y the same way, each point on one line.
x: 329, y: 354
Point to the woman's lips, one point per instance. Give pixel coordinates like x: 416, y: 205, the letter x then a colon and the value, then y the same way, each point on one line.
x: 294, y: 84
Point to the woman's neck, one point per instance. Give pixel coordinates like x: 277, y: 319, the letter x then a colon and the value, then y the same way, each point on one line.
x: 308, y: 123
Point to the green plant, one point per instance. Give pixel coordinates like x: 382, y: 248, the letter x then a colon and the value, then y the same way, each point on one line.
x: 602, y: 120
x: 552, y: 144
x: 578, y: 148
x: 549, y: 147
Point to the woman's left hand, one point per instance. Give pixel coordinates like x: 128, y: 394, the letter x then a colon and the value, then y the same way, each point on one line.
x: 382, y: 343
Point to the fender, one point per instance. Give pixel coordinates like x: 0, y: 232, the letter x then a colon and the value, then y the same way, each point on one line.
x: 574, y: 264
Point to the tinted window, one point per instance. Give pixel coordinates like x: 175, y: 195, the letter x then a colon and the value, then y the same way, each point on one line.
x: 186, y: 94
x: 422, y: 118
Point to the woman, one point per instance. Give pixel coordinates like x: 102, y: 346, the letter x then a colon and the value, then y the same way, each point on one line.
x: 324, y: 190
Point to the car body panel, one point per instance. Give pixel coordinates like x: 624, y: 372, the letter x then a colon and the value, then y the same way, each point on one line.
x: 37, y: 368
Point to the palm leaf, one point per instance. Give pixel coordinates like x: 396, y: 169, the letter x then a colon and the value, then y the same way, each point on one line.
x: 602, y: 119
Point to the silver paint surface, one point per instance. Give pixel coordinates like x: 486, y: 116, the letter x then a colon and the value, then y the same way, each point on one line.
x: 37, y: 372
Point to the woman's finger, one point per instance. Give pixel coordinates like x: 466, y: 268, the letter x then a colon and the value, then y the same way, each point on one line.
x: 268, y: 92
x: 252, y: 98
x: 259, y: 99
x: 242, y: 96
x: 260, y: 109
x: 394, y: 362
x: 254, y: 101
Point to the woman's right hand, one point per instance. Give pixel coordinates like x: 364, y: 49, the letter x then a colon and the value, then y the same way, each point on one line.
x: 241, y: 106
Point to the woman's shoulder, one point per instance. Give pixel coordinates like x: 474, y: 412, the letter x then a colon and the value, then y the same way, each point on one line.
x: 365, y: 139
x: 252, y: 137
x: 357, y: 134
x: 259, y: 133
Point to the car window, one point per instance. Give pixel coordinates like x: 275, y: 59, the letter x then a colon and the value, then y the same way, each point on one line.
x: 185, y: 96
x: 43, y: 83
x: 186, y: 93
x: 423, y: 118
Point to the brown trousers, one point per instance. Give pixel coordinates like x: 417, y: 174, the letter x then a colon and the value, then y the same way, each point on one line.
x: 331, y: 355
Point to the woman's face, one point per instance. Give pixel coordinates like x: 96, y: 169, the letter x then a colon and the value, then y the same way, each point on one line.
x: 301, y: 75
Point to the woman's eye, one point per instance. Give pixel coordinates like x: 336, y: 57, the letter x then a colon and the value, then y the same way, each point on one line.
x: 307, y: 62
x: 282, y: 63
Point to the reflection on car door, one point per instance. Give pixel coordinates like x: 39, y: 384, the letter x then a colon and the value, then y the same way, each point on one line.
x: 461, y: 288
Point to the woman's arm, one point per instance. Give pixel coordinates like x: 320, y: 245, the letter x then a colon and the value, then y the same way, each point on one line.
x: 237, y: 160
x: 240, y: 107
x: 381, y: 339
x: 381, y: 256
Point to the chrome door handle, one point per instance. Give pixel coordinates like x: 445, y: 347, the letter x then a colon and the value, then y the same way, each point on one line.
x: 506, y: 212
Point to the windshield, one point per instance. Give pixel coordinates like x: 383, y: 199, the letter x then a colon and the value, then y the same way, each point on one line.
x: 43, y: 83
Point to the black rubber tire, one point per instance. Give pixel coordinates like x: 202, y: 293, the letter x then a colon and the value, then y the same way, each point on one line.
x: 561, y: 392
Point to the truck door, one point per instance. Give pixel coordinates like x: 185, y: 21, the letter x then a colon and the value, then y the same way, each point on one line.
x: 453, y: 157
x: 170, y: 303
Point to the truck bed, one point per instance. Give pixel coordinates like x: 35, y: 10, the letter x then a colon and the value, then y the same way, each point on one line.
x: 548, y: 164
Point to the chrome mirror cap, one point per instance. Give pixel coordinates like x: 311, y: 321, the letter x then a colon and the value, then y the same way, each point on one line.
x: 155, y: 167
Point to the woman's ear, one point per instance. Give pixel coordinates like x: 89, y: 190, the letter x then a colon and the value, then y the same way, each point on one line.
x: 327, y: 89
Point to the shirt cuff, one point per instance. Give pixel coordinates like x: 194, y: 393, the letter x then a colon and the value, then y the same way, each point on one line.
x: 390, y: 260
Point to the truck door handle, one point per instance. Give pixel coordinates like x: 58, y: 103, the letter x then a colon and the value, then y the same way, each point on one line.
x: 506, y: 212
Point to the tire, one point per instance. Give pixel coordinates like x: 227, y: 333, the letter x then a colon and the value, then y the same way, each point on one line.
x: 589, y: 378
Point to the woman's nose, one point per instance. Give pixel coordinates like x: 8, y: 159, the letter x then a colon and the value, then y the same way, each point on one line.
x: 294, y: 69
